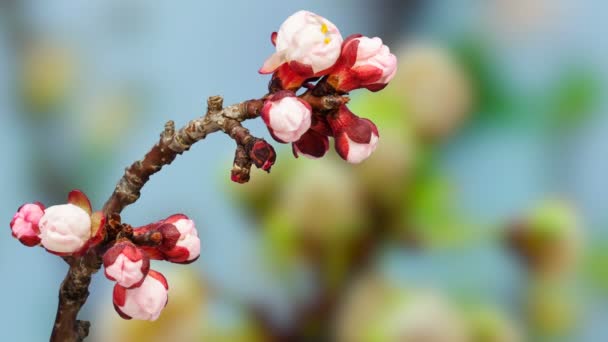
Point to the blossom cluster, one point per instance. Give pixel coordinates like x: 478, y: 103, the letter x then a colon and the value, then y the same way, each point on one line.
x: 310, y: 48
x: 72, y: 229
x: 64, y: 230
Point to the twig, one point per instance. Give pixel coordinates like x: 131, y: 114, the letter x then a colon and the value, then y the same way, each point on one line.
x: 74, y: 289
x: 172, y: 143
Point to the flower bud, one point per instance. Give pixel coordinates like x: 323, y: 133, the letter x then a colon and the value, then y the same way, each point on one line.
x: 126, y: 264
x: 98, y: 219
x: 241, y: 166
x: 24, y: 225
x: 287, y: 116
x: 549, y: 239
x: 311, y: 145
x: 428, y: 73
x: 308, y: 43
x: 65, y: 229
x: 365, y: 63
x: 187, y: 245
x: 239, y: 175
x: 356, y: 138
x: 144, y: 302
x: 262, y: 154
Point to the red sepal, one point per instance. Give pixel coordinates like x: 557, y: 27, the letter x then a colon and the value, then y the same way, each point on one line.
x: 348, y: 56
x: 303, y: 70
x: 119, y: 298
x: 186, y: 262
x: 78, y: 198
x: 160, y: 277
x: 262, y: 154
x: 153, y: 252
x: 170, y: 235
x: 120, y: 313
x: 312, y: 144
x: 174, y: 218
x: 178, y: 255
x: 29, y: 241
x: 347, y: 126
x: 320, y: 125
x: 119, y: 295
x: 367, y: 74
x: 376, y: 87
x: 289, y: 79
x: 341, y: 146
x: 273, y: 38
x: 98, y: 228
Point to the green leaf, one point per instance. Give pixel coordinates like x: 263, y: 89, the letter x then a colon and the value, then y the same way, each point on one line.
x: 573, y: 97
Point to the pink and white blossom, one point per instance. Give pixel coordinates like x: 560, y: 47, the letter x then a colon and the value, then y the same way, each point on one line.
x: 126, y: 264
x: 356, y: 138
x: 144, y: 302
x: 62, y: 229
x: 24, y: 225
x: 65, y: 229
x: 309, y: 43
x: 286, y: 116
x: 364, y: 63
x: 187, y: 247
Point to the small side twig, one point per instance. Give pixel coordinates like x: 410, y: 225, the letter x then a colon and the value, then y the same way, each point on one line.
x: 173, y: 143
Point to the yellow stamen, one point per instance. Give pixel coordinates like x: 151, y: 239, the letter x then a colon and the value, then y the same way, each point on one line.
x: 327, y: 40
x: 324, y: 28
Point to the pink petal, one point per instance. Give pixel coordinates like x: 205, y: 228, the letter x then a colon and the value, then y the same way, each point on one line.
x: 272, y: 63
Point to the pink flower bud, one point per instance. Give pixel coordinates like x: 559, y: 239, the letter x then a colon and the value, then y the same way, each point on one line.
x: 311, y: 145
x: 262, y: 154
x: 98, y: 219
x: 126, y: 264
x: 309, y: 43
x: 25, y: 223
x: 187, y: 246
x: 286, y: 116
x: 356, y: 138
x: 65, y: 229
x: 144, y: 302
x: 365, y: 63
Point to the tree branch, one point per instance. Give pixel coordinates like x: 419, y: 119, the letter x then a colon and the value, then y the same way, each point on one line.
x: 173, y: 143
x: 74, y: 289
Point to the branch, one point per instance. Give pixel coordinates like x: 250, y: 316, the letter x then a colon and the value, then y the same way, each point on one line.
x: 73, y: 294
x: 74, y: 289
x: 173, y: 143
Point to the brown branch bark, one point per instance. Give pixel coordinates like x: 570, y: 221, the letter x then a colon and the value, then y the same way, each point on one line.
x: 74, y: 291
x: 172, y: 143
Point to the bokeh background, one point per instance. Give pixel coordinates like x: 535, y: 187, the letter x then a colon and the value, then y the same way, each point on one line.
x: 481, y: 217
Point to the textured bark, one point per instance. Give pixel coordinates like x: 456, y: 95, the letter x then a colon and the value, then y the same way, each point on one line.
x: 74, y: 289
x: 73, y: 294
x: 172, y: 143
